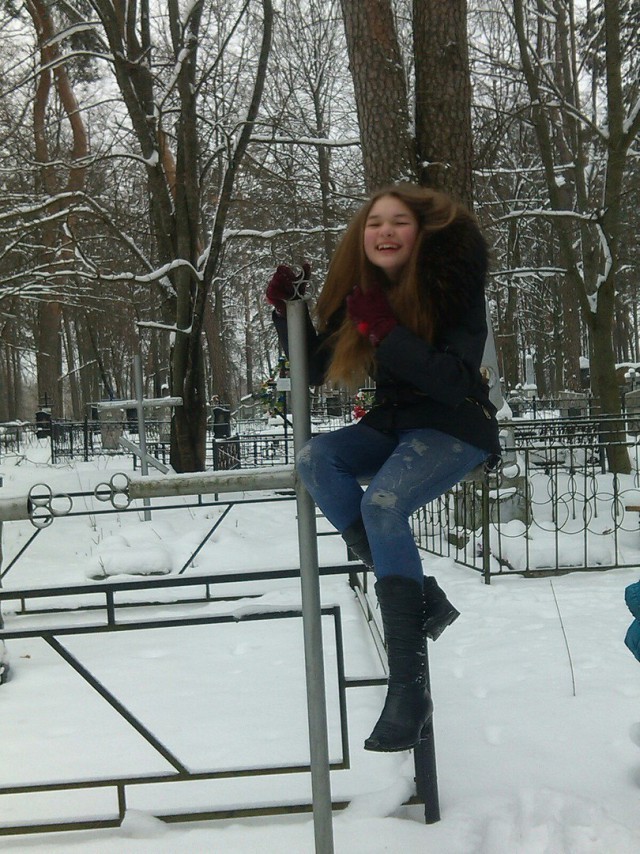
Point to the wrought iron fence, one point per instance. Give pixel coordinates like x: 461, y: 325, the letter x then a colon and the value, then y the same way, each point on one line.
x: 85, y: 440
x: 15, y: 436
x: 565, y: 405
x: 253, y: 451
x: 57, y: 634
x: 116, y: 606
x: 554, y: 507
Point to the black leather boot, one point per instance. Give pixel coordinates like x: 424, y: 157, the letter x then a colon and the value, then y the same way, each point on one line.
x: 408, y: 706
x: 438, y: 611
x: 355, y: 536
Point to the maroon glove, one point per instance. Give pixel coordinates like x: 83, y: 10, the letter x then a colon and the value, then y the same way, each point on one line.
x: 371, y: 313
x: 282, y: 286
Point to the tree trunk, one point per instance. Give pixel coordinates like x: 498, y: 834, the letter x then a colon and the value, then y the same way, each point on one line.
x: 6, y: 377
x: 443, y: 97
x: 221, y: 367
x: 249, y: 343
x: 571, y: 344
x: 388, y: 150
x: 73, y: 368
x: 49, y: 357
x: 90, y: 389
x: 541, y: 356
x: 57, y: 242
x: 49, y: 353
x: 17, y: 400
x: 7, y: 400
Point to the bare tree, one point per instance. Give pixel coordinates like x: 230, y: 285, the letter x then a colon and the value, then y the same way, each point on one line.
x: 190, y: 195
x: 585, y: 154
x: 178, y: 197
x: 56, y: 234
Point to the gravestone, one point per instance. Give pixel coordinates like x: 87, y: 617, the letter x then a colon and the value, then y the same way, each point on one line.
x: 632, y: 407
x: 111, y: 421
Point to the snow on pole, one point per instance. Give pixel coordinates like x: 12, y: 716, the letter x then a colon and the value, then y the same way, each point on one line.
x: 310, y: 587
x: 197, y: 483
x: 15, y: 509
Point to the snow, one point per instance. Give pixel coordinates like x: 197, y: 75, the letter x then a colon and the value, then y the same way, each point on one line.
x: 152, y: 160
x: 133, y: 555
x: 537, y: 700
x: 309, y: 140
x: 233, y: 233
x: 631, y: 119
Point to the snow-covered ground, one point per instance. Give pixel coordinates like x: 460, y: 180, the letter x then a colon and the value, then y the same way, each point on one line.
x: 537, y: 699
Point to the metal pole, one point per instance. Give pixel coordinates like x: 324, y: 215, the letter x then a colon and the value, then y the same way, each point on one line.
x: 486, y: 533
x: 310, y: 586
x: 206, y: 483
x: 4, y: 662
x: 424, y: 760
x: 142, y: 433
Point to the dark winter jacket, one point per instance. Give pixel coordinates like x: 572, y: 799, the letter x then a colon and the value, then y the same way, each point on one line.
x: 438, y: 385
x: 632, y: 598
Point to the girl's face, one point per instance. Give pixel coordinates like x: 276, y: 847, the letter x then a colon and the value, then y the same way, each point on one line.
x: 390, y: 233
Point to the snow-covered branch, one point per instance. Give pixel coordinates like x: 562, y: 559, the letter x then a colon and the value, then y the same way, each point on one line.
x: 526, y: 272
x: 631, y: 124
x: 167, y: 327
x: 307, y: 140
x: 608, y: 266
x: 549, y: 214
x: 231, y: 233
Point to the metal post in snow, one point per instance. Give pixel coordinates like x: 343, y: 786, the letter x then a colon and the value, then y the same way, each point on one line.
x: 310, y: 586
x: 424, y: 760
x: 486, y: 538
x: 4, y: 662
x: 142, y: 433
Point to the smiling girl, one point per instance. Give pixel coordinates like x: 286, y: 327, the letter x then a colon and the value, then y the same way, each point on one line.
x: 403, y: 303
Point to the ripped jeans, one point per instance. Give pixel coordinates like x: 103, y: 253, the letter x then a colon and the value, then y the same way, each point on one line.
x: 405, y: 468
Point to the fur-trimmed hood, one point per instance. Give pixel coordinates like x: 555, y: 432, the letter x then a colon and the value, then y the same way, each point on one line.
x: 453, y: 264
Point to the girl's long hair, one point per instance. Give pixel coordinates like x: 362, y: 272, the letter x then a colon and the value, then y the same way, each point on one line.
x: 418, y: 308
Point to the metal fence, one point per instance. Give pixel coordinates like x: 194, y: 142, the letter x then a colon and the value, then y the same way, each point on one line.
x: 109, y: 606
x: 246, y: 437
x: 86, y: 440
x: 554, y: 507
x: 566, y: 405
x: 15, y: 436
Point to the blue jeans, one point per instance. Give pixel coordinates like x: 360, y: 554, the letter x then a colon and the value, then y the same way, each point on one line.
x: 406, y: 469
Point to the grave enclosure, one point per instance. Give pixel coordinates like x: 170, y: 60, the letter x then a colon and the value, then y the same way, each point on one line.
x: 97, y: 615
